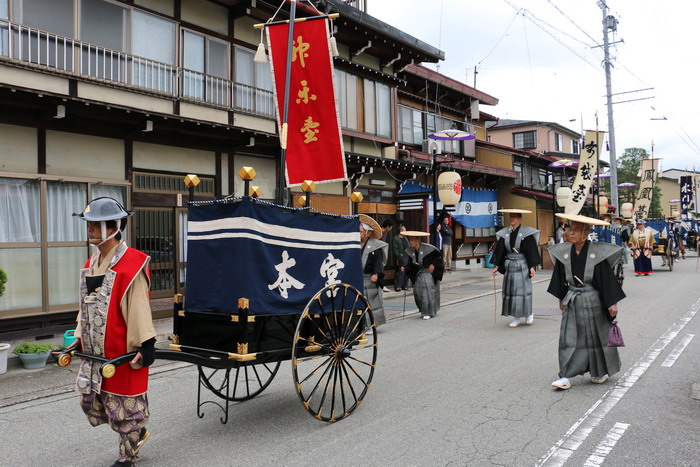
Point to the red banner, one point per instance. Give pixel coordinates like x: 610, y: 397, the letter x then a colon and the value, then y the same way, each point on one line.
x: 313, y: 139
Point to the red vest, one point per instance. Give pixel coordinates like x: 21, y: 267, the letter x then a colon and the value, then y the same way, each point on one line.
x: 126, y: 381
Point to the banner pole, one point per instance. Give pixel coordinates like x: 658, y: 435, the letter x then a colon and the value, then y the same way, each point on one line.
x: 495, y: 301
x: 281, y: 197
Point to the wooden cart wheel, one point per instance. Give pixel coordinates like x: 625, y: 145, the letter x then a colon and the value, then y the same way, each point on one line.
x: 245, y: 382
x: 333, y: 356
x: 670, y: 260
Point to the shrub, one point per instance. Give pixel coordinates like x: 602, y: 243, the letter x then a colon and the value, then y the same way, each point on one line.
x: 3, y: 281
x: 33, y: 347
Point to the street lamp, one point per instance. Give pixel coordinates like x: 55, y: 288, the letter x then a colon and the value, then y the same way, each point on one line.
x: 444, y: 135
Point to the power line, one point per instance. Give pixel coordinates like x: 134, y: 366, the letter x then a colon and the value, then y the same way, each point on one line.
x: 572, y: 22
x: 499, y: 40
x: 524, y: 12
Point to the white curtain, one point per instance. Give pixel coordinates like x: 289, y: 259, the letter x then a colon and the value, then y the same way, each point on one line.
x: 19, y: 210
x: 64, y: 200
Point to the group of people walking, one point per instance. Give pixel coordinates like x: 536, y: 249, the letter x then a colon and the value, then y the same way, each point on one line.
x: 582, y: 280
x: 115, y: 316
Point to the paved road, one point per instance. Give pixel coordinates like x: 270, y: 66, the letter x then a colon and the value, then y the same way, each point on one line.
x: 456, y: 390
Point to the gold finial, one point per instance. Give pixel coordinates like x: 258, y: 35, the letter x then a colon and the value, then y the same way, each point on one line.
x: 301, y: 201
x: 356, y: 197
x: 255, y: 191
x: 308, y: 186
x: 247, y: 173
x: 191, y: 180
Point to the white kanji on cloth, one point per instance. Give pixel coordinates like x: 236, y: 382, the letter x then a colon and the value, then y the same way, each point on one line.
x: 329, y: 270
x: 284, y: 280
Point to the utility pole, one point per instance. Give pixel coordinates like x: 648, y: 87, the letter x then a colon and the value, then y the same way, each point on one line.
x: 610, y: 23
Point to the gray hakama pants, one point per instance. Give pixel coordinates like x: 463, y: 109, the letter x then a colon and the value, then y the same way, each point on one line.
x: 376, y: 300
x: 517, y: 287
x: 583, y: 340
x: 426, y: 292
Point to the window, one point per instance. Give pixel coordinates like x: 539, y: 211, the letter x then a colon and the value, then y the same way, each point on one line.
x: 543, y: 178
x: 558, y: 142
x: 346, y: 89
x: 154, y: 39
x: 202, y: 55
x: 411, y: 125
x: 104, y: 25
x: 253, y: 84
x: 574, y: 146
x: 435, y: 123
x: 4, y: 10
x: 524, y: 140
x: 42, y: 47
x: 373, y: 195
x: 518, y: 167
x: 353, y: 93
x: 377, y: 104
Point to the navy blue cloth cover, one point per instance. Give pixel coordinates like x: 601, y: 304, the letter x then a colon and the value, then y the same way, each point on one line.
x: 278, y: 259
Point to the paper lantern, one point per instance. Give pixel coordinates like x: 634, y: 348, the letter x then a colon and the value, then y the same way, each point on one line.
x: 626, y: 210
x: 449, y: 188
x: 603, y: 203
x: 563, y: 196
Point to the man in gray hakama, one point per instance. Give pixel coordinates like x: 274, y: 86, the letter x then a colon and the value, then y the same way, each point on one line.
x: 516, y: 256
x: 425, y: 268
x: 588, y: 292
x: 374, y: 254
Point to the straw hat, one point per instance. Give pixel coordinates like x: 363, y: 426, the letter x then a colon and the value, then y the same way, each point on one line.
x: 581, y: 219
x: 414, y: 233
x: 515, y: 211
x: 376, y: 231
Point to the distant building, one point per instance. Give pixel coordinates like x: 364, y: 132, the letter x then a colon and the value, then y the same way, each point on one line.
x: 547, y: 138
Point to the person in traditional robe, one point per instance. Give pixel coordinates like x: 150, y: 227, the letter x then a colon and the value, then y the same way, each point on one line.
x: 641, y: 245
x: 681, y: 236
x: 588, y: 294
x: 516, y: 256
x: 398, y: 246
x: 425, y: 267
x: 374, y: 255
x: 114, y: 319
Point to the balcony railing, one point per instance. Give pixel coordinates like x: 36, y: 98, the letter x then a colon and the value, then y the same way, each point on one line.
x: 30, y: 46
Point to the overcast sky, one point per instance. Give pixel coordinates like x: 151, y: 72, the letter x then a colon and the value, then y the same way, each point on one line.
x: 558, y: 75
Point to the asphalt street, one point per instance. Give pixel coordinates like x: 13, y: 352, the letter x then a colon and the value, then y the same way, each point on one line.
x: 454, y: 390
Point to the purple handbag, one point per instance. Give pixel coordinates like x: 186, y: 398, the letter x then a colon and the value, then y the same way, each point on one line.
x: 615, y: 336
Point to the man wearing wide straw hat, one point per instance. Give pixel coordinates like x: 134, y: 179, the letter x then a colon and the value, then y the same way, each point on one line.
x: 588, y: 292
x: 425, y: 268
x: 374, y: 255
x: 641, y: 244
x: 516, y: 256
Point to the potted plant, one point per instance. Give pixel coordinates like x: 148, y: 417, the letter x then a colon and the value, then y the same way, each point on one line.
x: 33, y: 354
x: 4, y: 347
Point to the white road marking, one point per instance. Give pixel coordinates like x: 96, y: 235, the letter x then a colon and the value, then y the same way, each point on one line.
x: 671, y: 359
x: 606, y: 445
x: 579, y: 431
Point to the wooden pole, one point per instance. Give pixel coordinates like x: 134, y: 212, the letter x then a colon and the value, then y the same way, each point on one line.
x: 495, y: 302
x: 285, y: 108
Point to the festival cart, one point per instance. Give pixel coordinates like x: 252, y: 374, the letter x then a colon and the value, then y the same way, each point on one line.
x: 266, y: 284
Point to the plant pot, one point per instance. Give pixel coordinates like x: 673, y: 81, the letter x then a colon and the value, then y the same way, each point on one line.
x: 32, y: 361
x: 4, y: 350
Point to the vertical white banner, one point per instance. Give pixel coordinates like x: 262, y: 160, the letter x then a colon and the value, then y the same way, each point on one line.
x: 642, y: 203
x: 587, y: 169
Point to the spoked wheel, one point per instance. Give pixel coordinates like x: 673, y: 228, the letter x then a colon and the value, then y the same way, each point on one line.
x: 670, y: 261
x: 244, y: 382
x: 333, y: 357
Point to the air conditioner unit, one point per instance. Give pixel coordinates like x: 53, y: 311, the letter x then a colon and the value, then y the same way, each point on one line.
x: 432, y: 146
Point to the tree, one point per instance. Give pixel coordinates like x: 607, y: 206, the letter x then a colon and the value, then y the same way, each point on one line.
x: 628, y: 166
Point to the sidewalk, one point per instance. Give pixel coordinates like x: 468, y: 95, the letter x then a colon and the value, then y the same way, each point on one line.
x: 20, y: 385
